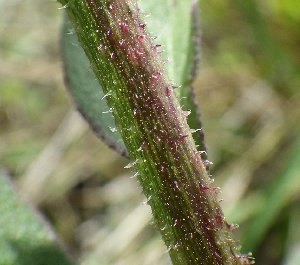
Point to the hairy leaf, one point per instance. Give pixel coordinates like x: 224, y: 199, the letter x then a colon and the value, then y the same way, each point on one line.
x: 86, y: 91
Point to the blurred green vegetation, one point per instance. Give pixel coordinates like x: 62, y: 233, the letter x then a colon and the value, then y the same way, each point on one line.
x: 248, y: 90
x: 25, y: 238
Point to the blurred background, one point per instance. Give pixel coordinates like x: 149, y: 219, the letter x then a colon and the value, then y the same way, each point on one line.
x: 248, y: 90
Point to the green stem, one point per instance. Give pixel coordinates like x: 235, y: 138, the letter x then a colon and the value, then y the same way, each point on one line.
x: 155, y: 131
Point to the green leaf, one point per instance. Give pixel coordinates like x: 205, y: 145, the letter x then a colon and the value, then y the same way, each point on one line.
x: 86, y: 91
x: 277, y: 197
x: 24, y: 237
x: 280, y: 67
x: 174, y: 26
x: 293, y: 244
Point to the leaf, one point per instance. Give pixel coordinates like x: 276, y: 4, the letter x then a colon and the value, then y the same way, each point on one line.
x: 24, y: 237
x: 293, y: 244
x: 86, y: 91
x: 172, y: 23
x: 277, y: 197
x: 280, y: 68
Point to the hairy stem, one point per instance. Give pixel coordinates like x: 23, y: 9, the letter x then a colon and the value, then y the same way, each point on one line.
x: 155, y: 131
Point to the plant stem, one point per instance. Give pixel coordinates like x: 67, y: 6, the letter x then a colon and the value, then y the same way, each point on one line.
x: 155, y: 131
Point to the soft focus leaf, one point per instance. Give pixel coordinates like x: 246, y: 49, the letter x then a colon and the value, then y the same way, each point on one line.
x: 24, y: 237
x: 277, y: 197
x: 173, y: 26
x: 280, y: 66
x: 293, y: 245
